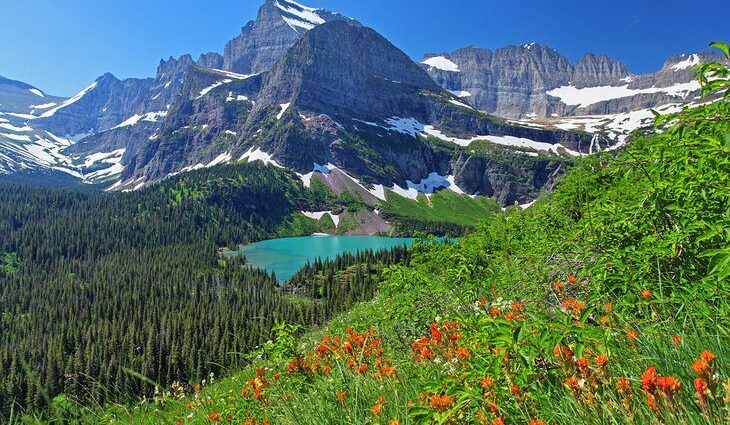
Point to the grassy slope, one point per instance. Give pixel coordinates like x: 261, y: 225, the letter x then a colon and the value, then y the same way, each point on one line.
x: 442, y: 206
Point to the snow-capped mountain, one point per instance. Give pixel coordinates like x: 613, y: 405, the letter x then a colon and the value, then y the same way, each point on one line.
x: 536, y: 83
x: 301, y: 87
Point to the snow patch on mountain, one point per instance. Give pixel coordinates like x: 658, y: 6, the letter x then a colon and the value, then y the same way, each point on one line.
x: 571, y: 95
x: 442, y: 63
x: 256, y: 154
x: 317, y: 215
x: 284, y: 107
x: 136, y: 118
x: 691, y: 61
x: 73, y: 99
x: 37, y: 92
x: 299, y: 16
x: 460, y: 93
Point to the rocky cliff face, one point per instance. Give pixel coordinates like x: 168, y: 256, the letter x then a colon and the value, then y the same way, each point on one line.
x: 536, y: 81
x: 279, y: 24
x: 342, y: 95
x: 102, y: 105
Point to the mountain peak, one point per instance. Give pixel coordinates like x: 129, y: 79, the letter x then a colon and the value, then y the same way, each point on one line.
x: 278, y: 25
x: 341, y: 68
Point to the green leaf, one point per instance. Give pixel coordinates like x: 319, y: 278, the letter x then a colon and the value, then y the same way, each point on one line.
x: 721, y: 46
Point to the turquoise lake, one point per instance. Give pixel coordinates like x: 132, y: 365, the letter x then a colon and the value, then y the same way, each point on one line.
x: 286, y: 256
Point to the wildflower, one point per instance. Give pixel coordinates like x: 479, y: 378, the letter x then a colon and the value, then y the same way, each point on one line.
x: 572, y: 279
x: 362, y: 368
x: 537, y: 422
x: 196, y: 388
x: 487, y: 383
x: 582, y: 363
x: 701, y: 367
x: 608, y: 307
x: 677, y: 339
x: 517, y: 307
x: 574, y: 306
x: 601, y: 360
x: 646, y: 294
x: 498, y: 421
x: 632, y: 335
x: 562, y: 353
x: 341, y: 394
x: 515, y: 390
x: 648, y: 379
x: 378, y: 406
x: 573, y: 384
x: 707, y: 356
x: 558, y: 286
x: 214, y: 416
x: 494, y: 311
x: 463, y: 353
x: 701, y: 390
x: 293, y: 365
x: 395, y: 422
x: 623, y: 385
x: 440, y: 403
x: 189, y: 405
x: 651, y: 402
x: 669, y: 385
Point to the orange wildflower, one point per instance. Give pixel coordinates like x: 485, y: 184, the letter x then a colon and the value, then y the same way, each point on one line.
x: 707, y: 356
x: 394, y: 422
x: 572, y: 279
x: 558, y: 286
x: 623, y: 385
x: 649, y: 379
x: 669, y: 385
x: 646, y: 294
x: 573, y: 384
x: 517, y: 307
x: 214, y: 416
x: 562, y: 353
x: 537, y: 422
x: 633, y: 336
x: 601, y: 360
x: 582, y: 363
x: 463, y: 353
x: 494, y: 311
x: 701, y: 367
x: 498, y: 421
x: 701, y: 389
x: 440, y: 403
x: 341, y: 394
x: 574, y: 306
x: 651, y: 402
x: 487, y: 383
x: 608, y: 307
x: 362, y: 368
x: 677, y: 339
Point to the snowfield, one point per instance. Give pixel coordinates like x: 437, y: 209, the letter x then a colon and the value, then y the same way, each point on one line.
x: 588, y: 96
x: 73, y: 99
x: 442, y: 63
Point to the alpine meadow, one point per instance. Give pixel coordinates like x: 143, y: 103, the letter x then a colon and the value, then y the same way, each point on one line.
x: 512, y: 236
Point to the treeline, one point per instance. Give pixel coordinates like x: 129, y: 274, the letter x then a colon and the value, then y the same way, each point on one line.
x: 410, y: 226
x: 346, y: 280
x: 104, y: 295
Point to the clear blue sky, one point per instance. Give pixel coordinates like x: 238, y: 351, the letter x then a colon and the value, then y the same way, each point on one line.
x: 62, y: 45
